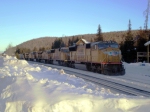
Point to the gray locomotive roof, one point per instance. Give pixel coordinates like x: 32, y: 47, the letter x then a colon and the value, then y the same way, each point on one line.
x: 48, y: 51
x: 64, y: 48
x: 33, y: 52
x: 107, y: 42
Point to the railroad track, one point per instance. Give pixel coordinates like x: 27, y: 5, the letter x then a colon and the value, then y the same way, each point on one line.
x: 92, y: 77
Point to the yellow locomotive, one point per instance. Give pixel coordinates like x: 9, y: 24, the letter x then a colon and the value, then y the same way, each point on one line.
x: 103, y: 57
x: 60, y: 56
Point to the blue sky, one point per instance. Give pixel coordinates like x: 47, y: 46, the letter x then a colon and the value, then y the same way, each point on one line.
x: 23, y: 20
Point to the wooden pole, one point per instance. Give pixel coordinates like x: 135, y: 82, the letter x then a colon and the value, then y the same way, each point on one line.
x: 148, y: 53
x: 137, y: 57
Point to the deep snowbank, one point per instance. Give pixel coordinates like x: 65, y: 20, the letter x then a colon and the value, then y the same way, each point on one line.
x: 35, y: 88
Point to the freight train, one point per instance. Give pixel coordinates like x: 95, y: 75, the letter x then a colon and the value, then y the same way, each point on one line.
x: 102, y: 57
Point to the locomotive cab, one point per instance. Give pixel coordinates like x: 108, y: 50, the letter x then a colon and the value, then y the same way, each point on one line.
x: 106, y: 58
x: 109, y: 52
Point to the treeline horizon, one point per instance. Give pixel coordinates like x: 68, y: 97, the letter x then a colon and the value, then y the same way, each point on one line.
x: 130, y: 42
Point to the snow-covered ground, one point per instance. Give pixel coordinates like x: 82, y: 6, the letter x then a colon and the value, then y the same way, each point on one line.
x: 28, y: 87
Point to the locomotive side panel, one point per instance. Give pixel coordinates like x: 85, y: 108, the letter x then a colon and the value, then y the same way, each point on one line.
x: 73, y: 56
x: 45, y: 55
x: 64, y: 56
x: 94, y: 54
x: 39, y: 56
x: 26, y: 56
x: 49, y: 56
x: 88, y: 55
x: 56, y: 55
x: 36, y: 55
x: 30, y: 56
x: 81, y: 53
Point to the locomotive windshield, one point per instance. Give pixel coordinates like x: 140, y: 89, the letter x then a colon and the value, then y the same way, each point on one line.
x: 106, y: 45
x: 65, y: 50
x: 114, y: 45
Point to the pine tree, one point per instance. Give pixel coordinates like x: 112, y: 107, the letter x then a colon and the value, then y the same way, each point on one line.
x: 43, y: 49
x: 62, y: 44
x: 58, y: 43
x: 127, y: 48
x: 35, y: 49
x: 142, y: 35
x: 69, y: 42
x: 99, y: 34
x: 73, y: 39
x: 52, y: 47
x: 129, y: 36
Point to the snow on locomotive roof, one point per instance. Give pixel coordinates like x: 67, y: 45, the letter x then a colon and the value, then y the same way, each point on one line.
x: 147, y: 43
x: 81, y: 41
x: 85, y: 41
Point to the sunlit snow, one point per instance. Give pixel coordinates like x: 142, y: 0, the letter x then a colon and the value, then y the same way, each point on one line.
x: 28, y: 87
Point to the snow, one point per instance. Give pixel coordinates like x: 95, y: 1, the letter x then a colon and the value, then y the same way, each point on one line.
x: 147, y: 43
x: 28, y: 87
x: 85, y: 41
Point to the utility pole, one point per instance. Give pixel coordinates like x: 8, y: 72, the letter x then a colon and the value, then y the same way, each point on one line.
x: 146, y: 13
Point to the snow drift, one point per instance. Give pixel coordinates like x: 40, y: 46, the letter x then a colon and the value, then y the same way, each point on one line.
x: 36, y: 88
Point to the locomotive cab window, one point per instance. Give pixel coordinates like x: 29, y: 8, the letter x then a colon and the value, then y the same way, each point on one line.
x: 103, y: 45
x: 114, y: 45
x: 106, y: 45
